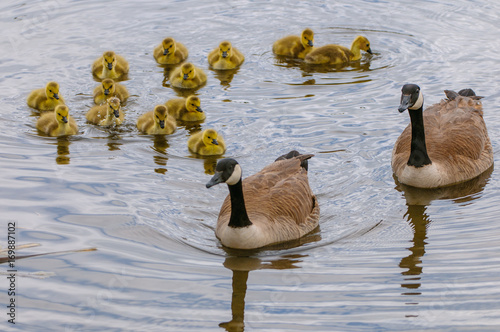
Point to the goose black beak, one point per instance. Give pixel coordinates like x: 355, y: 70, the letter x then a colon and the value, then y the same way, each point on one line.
x: 185, y: 77
x: 216, y: 179
x: 56, y: 96
x: 162, y: 124
x: 310, y: 43
x: 116, y: 113
x: 224, y: 54
x: 106, y: 92
x: 199, y: 109
x: 369, y: 51
x: 405, y: 103
x: 214, y: 141
x: 165, y: 52
x: 65, y: 119
x: 110, y: 66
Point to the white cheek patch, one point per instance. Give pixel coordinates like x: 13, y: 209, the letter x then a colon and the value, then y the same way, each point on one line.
x: 235, y: 177
x: 419, y: 102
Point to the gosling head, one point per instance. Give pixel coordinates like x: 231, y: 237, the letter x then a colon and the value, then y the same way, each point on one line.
x: 109, y: 59
x: 108, y: 86
x: 225, y: 49
x: 188, y: 71
x: 363, y: 44
x: 52, y: 90
x: 114, y: 106
x: 193, y: 104
x: 307, y: 38
x: 160, y: 115
x: 210, y: 137
x: 61, y: 113
x: 227, y: 171
x: 411, y: 98
x: 168, y: 46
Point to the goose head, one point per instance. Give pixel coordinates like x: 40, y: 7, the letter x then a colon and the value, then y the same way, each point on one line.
x: 52, y: 90
x: 61, y: 113
x: 362, y: 43
x: 108, y: 86
x: 109, y: 59
x: 307, y: 38
x: 193, y: 104
x: 168, y: 46
x: 160, y: 115
x: 114, y: 107
x: 225, y: 49
x: 227, y: 171
x: 188, y: 71
x: 209, y: 137
x: 411, y: 98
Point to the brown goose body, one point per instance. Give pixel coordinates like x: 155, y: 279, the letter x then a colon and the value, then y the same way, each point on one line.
x: 457, y: 144
x: 279, y: 203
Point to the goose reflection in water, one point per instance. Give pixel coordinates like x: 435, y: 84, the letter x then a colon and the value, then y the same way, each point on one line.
x: 63, y: 143
x: 417, y: 201
x: 241, y: 262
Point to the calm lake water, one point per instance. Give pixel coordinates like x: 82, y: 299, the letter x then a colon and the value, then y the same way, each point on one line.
x: 385, y: 257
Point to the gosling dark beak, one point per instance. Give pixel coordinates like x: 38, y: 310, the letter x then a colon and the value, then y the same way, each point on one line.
x: 110, y: 66
x: 116, y: 113
x: 185, y: 76
x: 214, y: 141
x: 216, y: 179
x: 165, y: 52
x: 162, y: 124
x: 369, y: 51
x: 56, y: 96
x: 199, y: 109
x: 106, y: 92
x: 224, y: 54
x: 405, y: 103
x: 65, y: 119
x: 310, y: 43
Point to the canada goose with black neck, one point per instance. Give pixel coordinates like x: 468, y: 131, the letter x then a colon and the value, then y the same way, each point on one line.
x: 272, y: 206
x: 446, y: 144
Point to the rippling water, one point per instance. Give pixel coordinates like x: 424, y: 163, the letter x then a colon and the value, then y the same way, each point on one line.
x: 385, y: 257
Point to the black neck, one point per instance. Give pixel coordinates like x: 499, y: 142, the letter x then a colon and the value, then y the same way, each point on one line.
x: 239, y: 216
x: 418, y: 155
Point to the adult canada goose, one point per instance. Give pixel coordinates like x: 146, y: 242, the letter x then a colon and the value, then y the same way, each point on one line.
x: 170, y: 52
x: 274, y: 205
x: 109, y: 88
x: 295, y: 46
x: 157, y: 122
x: 336, y: 54
x: 207, y: 143
x: 110, y: 65
x: 186, y: 109
x: 225, y: 57
x: 45, y: 99
x: 57, y: 123
x: 187, y: 76
x: 107, y: 114
x: 446, y: 144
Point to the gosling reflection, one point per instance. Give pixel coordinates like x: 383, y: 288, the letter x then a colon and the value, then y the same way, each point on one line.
x: 417, y: 201
x: 241, y: 266
x: 225, y: 76
x: 160, y: 146
x: 63, y: 143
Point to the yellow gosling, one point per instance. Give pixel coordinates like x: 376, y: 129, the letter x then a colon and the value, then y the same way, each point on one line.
x: 57, y: 123
x: 157, y: 122
x: 336, y: 54
x: 108, y: 114
x: 110, y: 65
x: 186, y: 109
x: 45, y: 99
x: 295, y: 46
x: 187, y: 76
x: 109, y: 88
x: 225, y: 57
x: 170, y: 52
x: 207, y: 143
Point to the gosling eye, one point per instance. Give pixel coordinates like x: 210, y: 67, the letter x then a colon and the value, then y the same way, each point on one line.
x: 158, y: 117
